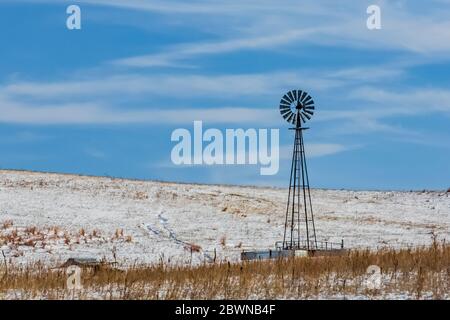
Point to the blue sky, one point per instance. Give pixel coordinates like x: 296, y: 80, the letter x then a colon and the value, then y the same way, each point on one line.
x: 104, y: 100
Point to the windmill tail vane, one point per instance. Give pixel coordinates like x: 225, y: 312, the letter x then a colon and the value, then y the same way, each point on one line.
x: 297, y: 107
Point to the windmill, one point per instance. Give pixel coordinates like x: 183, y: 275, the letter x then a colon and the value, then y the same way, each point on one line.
x: 299, y: 238
x: 297, y: 107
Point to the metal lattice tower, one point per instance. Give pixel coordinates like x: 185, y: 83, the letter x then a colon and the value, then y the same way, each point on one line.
x: 296, y: 107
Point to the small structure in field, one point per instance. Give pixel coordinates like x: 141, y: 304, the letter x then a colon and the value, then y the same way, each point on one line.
x: 82, y: 263
x: 324, y: 248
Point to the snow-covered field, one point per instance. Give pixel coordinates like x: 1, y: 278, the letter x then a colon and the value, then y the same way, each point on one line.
x: 53, y: 217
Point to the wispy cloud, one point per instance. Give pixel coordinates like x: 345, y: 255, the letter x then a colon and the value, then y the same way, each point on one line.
x: 21, y: 102
x: 95, y: 153
x: 166, y: 85
x: 373, y: 107
x: 409, y: 102
x: 313, y: 150
x: 201, y: 7
x: 23, y: 137
x: 197, y: 85
x: 234, y: 25
x: 181, y: 52
x: 317, y: 150
x: 269, y: 25
x: 89, y: 113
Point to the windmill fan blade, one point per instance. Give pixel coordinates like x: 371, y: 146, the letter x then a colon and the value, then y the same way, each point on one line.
x: 294, y: 121
x: 284, y: 106
x: 308, y: 112
x: 303, y: 96
x: 287, y: 98
x: 307, y: 99
x: 301, y: 117
x: 295, y: 94
x: 285, y: 101
x: 290, y: 95
x: 308, y: 107
x: 290, y: 117
x: 285, y: 113
x: 309, y: 103
x: 306, y: 115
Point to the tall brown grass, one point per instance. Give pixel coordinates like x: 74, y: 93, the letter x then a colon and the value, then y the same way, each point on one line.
x: 406, y: 274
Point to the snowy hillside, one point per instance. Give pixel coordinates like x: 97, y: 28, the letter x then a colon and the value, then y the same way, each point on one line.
x: 54, y: 216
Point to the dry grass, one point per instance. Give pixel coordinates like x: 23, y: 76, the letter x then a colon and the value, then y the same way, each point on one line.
x: 408, y: 273
x: 16, y: 237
